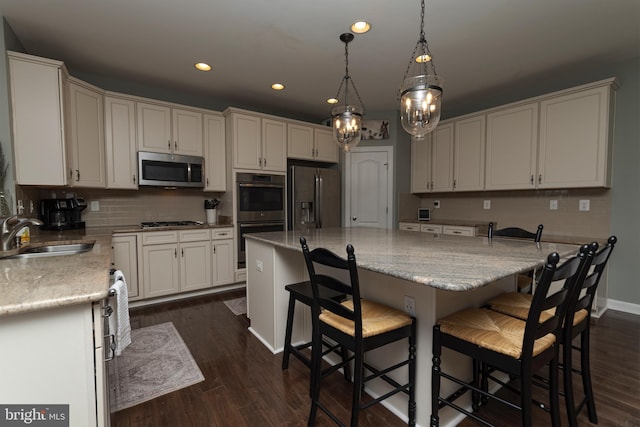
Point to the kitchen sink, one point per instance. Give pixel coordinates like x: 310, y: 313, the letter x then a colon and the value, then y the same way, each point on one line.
x: 59, y: 249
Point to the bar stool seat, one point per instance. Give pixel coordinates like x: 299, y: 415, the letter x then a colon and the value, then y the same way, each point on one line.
x: 303, y: 293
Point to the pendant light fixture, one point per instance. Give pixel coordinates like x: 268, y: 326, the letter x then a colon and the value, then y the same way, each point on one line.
x: 347, y: 119
x: 421, y: 95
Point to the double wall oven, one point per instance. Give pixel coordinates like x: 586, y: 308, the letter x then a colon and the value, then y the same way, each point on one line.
x: 261, y: 207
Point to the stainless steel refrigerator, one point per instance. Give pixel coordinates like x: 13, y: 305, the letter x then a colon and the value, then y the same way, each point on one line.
x: 314, y: 198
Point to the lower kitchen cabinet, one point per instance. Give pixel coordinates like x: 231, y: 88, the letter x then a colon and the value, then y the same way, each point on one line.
x: 222, y: 256
x: 442, y: 228
x: 124, y: 257
x: 160, y: 270
x: 195, y: 265
x: 56, y: 356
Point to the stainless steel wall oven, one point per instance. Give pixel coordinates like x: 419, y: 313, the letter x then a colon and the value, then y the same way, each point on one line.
x: 261, y: 206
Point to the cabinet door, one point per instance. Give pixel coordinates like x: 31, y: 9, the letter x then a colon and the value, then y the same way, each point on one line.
x: 574, y: 140
x: 125, y: 258
x: 458, y: 230
x: 247, y: 142
x: 300, y: 142
x: 469, y: 154
x: 187, y: 132
x: 420, y: 165
x: 36, y: 98
x: 442, y: 158
x: 326, y: 148
x: 274, y: 145
x: 512, y: 143
x: 222, y: 253
x: 120, y: 143
x: 160, y: 270
x: 409, y: 226
x: 214, y: 153
x: 154, y: 128
x: 86, y: 136
x: 195, y: 265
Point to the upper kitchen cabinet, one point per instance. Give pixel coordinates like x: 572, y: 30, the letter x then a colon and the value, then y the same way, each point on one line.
x: 120, y: 142
x: 311, y: 143
x: 576, y: 134
x: 36, y: 86
x: 214, y: 153
x: 257, y: 143
x: 469, y: 151
x: 162, y: 129
x: 512, y: 142
x: 85, y: 138
x: 432, y: 161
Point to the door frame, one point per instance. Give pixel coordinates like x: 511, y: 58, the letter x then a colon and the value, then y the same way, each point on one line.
x: 346, y: 202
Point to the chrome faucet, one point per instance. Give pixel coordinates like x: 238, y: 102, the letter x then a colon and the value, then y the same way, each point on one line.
x: 9, y: 226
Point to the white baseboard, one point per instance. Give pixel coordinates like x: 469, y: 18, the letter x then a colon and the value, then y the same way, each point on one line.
x: 626, y: 307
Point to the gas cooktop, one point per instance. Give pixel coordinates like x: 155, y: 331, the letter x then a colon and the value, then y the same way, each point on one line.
x: 156, y: 224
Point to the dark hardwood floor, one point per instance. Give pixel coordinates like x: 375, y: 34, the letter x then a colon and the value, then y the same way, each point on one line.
x: 245, y: 386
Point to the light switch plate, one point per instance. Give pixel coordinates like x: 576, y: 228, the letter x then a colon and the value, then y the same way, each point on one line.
x: 95, y: 205
x: 584, y: 205
x: 486, y: 204
x: 553, y: 205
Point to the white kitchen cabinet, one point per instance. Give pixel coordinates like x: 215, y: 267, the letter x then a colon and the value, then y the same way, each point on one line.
x: 222, y: 256
x: 458, y: 230
x: 160, y: 270
x: 214, y: 153
x: 85, y: 136
x: 310, y: 143
x: 512, y: 143
x: 120, y: 142
x: 469, y: 154
x: 37, y: 116
x: 575, y: 139
x: 431, y: 228
x: 432, y: 161
x: 257, y: 143
x: 409, y: 226
x: 125, y: 258
x: 56, y: 356
x: 163, y: 129
x: 195, y: 265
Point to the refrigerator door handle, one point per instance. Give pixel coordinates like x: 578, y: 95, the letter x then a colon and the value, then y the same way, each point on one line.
x: 318, y: 199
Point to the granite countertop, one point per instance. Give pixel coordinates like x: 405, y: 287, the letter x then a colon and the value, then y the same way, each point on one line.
x: 458, y: 222
x: 138, y: 229
x: 28, y: 284
x: 452, y: 263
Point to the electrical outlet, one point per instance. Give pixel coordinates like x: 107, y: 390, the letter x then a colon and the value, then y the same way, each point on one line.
x: 584, y: 205
x: 553, y: 205
x: 95, y: 205
x: 486, y: 204
x: 259, y: 265
x: 410, y: 305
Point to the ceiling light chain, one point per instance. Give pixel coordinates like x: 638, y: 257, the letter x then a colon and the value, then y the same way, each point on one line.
x: 421, y: 95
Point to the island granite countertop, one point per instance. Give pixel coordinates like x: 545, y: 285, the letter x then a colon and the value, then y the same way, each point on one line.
x: 452, y: 263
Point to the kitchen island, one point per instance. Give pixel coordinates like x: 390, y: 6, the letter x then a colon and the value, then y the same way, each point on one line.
x: 441, y: 273
x: 51, y: 329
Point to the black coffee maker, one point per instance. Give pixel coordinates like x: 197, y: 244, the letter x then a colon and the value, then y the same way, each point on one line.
x: 62, y: 214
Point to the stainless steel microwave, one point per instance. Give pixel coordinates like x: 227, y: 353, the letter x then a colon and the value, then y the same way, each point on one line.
x: 170, y: 170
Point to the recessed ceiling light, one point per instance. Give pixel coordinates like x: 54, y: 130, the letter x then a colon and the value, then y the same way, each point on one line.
x: 203, y: 66
x: 277, y: 86
x: 332, y: 101
x: 360, y: 27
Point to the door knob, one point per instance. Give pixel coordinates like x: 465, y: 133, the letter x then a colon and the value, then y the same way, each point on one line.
x: 354, y: 218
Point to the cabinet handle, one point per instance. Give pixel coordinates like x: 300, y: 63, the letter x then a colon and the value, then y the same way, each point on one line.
x: 531, y: 179
x: 455, y: 183
x: 182, y: 252
x: 70, y: 173
x: 77, y: 175
x: 207, y: 182
x: 540, y: 179
x: 134, y: 178
x: 260, y: 161
x: 175, y: 145
x: 264, y: 161
x: 169, y: 145
x: 214, y: 249
x: 175, y: 253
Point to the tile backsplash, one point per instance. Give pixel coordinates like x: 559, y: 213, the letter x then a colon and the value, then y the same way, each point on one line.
x: 525, y: 209
x: 123, y: 207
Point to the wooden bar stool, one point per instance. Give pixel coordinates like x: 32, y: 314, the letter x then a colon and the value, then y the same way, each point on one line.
x: 302, y: 292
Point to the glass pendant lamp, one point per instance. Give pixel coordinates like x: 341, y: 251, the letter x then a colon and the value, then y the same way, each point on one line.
x: 346, y: 119
x: 421, y: 95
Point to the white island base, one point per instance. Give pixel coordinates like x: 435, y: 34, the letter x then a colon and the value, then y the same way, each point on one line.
x: 270, y: 268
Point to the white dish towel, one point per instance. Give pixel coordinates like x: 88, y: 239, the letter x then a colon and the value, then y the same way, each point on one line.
x: 119, y: 324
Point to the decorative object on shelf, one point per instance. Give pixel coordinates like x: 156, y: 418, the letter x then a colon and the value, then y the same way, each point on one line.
x: 375, y: 129
x: 5, y: 204
x: 347, y: 119
x: 421, y: 95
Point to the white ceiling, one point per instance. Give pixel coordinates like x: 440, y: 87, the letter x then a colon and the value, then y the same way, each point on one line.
x: 478, y: 45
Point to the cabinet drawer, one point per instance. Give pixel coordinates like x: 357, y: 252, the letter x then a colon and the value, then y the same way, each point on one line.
x: 223, y: 233
x: 430, y: 228
x: 159, y: 237
x: 459, y: 231
x: 194, y: 235
x: 406, y: 226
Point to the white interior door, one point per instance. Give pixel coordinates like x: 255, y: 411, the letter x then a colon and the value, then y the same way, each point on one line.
x: 369, y: 180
